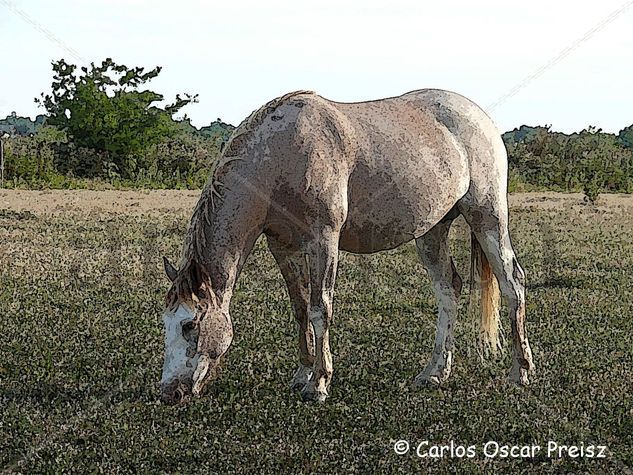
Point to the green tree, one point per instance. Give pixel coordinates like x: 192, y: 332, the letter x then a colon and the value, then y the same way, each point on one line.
x: 626, y: 137
x: 217, y: 130
x: 105, y: 108
x: 21, y: 125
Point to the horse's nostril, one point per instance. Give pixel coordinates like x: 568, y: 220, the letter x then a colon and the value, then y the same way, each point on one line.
x: 179, y: 395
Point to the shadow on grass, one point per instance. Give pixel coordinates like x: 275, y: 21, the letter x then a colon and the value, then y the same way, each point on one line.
x: 44, y: 394
x: 560, y: 282
x: 50, y: 395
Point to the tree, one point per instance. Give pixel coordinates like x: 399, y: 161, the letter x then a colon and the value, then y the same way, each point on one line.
x: 217, y: 129
x: 23, y: 126
x: 104, y: 108
x: 626, y: 137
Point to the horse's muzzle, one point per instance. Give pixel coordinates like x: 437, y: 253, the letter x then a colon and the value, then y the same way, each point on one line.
x: 175, y: 392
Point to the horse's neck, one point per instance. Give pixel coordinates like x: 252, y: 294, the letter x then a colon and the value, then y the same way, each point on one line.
x: 230, y: 228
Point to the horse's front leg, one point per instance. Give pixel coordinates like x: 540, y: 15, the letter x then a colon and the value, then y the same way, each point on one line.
x: 294, y: 269
x: 322, y: 254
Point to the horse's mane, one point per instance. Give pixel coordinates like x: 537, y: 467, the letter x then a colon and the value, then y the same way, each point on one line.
x: 191, y: 273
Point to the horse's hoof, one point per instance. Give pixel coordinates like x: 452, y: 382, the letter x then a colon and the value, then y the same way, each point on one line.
x: 313, y: 395
x: 519, y: 376
x: 301, y: 377
x: 432, y: 376
x: 427, y: 381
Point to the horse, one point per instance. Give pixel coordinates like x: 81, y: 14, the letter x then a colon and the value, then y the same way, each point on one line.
x: 317, y: 176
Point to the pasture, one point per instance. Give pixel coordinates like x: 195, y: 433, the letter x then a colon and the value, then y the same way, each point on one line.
x: 81, y: 293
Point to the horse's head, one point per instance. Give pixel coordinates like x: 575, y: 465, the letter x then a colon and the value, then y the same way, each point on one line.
x: 197, y: 334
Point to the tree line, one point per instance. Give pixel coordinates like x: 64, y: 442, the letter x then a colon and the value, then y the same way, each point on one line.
x: 591, y: 161
x: 103, y: 126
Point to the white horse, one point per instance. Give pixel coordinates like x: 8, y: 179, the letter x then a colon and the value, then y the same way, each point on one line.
x: 316, y: 176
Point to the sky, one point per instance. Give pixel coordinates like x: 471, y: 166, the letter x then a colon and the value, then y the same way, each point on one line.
x: 537, y: 62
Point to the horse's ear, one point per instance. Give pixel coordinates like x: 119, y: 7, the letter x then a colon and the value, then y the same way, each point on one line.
x: 170, y: 270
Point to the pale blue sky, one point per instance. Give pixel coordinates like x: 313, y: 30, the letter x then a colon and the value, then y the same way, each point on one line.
x: 237, y: 54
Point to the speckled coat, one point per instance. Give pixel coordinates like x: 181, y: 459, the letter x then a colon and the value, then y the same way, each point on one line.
x: 316, y: 176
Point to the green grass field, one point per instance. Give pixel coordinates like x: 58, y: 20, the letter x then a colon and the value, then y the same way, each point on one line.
x: 81, y: 353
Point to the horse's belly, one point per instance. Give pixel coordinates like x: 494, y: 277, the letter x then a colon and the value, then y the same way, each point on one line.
x: 372, y: 228
x: 388, y: 209
x: 363, y: 236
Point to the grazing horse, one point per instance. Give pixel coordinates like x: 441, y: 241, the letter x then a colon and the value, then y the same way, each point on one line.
x: 316, y: 176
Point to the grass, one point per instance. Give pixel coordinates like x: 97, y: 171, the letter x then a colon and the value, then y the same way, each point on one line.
x: 55, y: 181
x: 80, y: 357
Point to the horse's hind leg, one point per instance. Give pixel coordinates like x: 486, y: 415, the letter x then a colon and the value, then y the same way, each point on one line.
x: 294, y: 268
x: 322, y: 253
x: 489, y: 224
x: 434, y: 252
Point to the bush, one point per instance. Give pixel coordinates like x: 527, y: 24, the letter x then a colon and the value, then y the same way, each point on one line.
x: 590, y: 161
x: 49, y: 160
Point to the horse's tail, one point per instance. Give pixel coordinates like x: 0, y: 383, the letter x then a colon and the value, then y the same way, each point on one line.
x: 489, y: 298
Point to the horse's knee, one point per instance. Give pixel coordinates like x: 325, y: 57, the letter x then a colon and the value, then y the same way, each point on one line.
x: 320, y: 313
x: 319, y: 320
